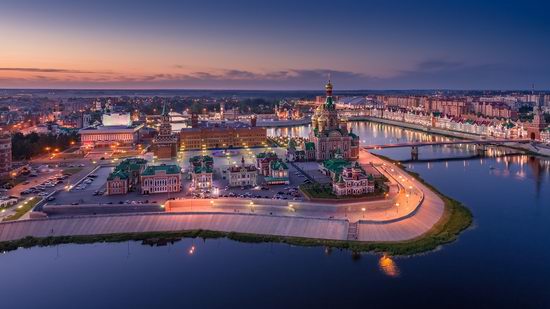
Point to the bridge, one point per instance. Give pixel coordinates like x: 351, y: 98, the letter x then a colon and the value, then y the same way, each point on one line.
x: 415, y: 145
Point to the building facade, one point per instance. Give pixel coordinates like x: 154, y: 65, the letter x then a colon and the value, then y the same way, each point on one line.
x: 5, y: 155
x: 126, y: 176
x: 201, y: 169
x: 263, y: 161
x: 165, y: 144
x: 109, y: 137
x: 243, y: 175
x: 330, y: 136
x: 278, y: 173
x: 347, y: 178
x: 222, y: 135
x: 161, y: 179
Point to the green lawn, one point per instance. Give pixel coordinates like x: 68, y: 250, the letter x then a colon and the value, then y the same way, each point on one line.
x: 22, y: 208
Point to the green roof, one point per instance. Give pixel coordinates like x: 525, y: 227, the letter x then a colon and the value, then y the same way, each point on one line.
x: 329, y: 103
x: 278, y: 164
x: 119, y: 174
x: 202, y: 169
x: 197, y: 159
x: 169, y: 169
x: 336, y: 165
x: 262, y: 155
x: 133, y: 164
x: 310, y: 145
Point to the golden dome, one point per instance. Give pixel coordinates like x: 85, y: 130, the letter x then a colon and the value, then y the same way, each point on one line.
x: 328, y: 86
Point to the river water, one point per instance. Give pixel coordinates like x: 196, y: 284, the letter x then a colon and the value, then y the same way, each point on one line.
x: 502, y: 261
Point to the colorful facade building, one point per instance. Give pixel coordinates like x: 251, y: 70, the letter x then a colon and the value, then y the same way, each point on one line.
x: 204, y: 135
x: 286, y: 111
x: 126, y: 176
x: 329, y: 136
x: 161, y: 179
x: 263, y: 161
x: 538, y: 125
x: 117, y: 183
x: 165, y: 144
x: 348, y: 178
x: 278, y: 173
x: 243, y: 175
x: 202, y: 172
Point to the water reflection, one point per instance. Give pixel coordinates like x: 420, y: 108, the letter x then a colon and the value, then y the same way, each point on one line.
x: 388, y: 266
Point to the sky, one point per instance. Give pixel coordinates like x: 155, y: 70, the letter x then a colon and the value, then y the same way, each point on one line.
x: 286, y: 45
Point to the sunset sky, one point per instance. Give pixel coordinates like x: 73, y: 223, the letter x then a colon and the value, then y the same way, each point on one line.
x: 275, y: 44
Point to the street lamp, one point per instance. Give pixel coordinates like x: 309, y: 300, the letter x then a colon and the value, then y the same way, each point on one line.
x: 363, y: 210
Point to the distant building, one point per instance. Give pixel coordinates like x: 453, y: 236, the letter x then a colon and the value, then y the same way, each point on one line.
x: 161, y: 179
x: 115, y: 119
x: 206, y: 135
x: 109, y: 136
x: 243, y: 175
x: 5, y: 155
x: 165, y: 143
x: 286, y: 111
x: 330, y: 136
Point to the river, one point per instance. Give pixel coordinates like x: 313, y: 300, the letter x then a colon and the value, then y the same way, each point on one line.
x: 501, y: 261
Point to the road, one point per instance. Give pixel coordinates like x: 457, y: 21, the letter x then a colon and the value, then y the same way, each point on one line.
x: 386, y: 220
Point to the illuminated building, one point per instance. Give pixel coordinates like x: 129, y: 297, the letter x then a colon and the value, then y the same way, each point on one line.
x: 243, y: 175
x: 201, y: 169
x: 222, y: 135
x: 114, y: 119
x: 126, y: 176
x: 109, y: 136
x: 348, y: 178
x: 263, y: 160
x: 161, y: 179
x: 278, y: 173
x: 5, y: 155
x: 329, y: 135
x: 165, y: 144
x: 285, y: 111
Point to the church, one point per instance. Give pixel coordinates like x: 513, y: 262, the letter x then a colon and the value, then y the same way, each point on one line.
x: 330, y: 137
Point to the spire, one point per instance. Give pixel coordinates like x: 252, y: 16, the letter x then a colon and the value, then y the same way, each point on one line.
x: 328, y: 87
x: 164, y: 109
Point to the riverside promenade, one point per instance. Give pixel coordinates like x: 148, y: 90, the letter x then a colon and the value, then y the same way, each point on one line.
x: 395, y: 221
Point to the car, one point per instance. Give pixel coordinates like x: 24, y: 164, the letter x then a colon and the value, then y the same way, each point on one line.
x: 74, y: 203
x: 51, y: 198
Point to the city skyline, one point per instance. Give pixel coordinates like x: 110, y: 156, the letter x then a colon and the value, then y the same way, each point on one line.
x: 274, y: 46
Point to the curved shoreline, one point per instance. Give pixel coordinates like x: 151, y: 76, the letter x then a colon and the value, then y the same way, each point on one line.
x: 284, y: 229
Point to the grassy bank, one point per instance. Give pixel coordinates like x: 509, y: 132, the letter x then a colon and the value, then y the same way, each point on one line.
x: 455, y: 219
x: 22, y: 208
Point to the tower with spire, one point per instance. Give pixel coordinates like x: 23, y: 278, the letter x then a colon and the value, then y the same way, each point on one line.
x: 165, y: 143
x: 328, y: 137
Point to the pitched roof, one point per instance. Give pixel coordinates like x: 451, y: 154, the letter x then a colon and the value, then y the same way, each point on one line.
x: 278, y: 165
x: 169, y: 169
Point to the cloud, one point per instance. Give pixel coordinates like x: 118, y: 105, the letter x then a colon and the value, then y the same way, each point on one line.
x: 427, y: 74
x: 49, y: 70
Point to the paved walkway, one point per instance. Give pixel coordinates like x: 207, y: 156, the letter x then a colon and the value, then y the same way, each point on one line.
x: 394, y: 223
